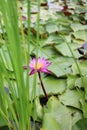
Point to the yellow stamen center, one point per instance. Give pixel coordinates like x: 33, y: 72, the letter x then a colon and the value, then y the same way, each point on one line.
x: 38, y: 66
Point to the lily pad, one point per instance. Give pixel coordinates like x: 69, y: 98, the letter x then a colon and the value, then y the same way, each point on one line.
x: 46, y: 52
x: 71, y: 98
x: 71, y: 81
x: 51, y: 28
x: 62, y: 114
x: 78, y: 27
x: 79, y: 83
x: 82, y: 66
x: 63, y: 49
x: 81, y: 35
x: 53, y: 39
x: 51, y: 84
x: 80, y: 125
x: 50, y: 123
x: 54, y: 85
x: 61, y: 68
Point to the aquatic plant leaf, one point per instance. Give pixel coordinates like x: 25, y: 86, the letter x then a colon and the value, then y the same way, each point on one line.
x: 71, y: 98
x: 62, y: 114
x: 46, y: 52
x: 81, y: 35
x: 54, y: 85
x: 64, y: 50
x: 51, y: 84
x: 79, y: 83
x: 50, y: 123
x: 51, y: 28
x: 76, y: 26
x: 82, y: 66
x: 71, y: 81
x: 80, y: 125
x: 62, y: 67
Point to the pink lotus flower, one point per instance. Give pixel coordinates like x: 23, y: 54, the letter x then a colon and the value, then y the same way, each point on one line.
x: 40, y: 65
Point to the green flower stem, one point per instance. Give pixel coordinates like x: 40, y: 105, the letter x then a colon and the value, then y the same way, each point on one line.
x: 43, y: 88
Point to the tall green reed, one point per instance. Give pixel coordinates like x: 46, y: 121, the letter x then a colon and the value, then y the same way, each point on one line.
x: 16, y: 106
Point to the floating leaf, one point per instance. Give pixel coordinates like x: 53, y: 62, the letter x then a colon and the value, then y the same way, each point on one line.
x: 79, y: 83
x: 71, y: 81
x: 64, y: 50
x: 81, y: 35
x: 62, y: 114
x: 82, y: 66
x: 51, y: 84
x: 54, y: 85
x: 78, y: 27
x: 71, y: 98
x: 80, y: 125
x: 51, y: 28
x: 61, y: 68
x: 50, y: 123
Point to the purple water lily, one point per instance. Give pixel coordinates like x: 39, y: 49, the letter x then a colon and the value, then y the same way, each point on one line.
x: 41, y: 65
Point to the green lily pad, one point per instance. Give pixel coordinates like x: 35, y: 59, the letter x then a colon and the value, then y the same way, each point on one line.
x: 54, y: 85
x: 71, y: 81
x: 51, y: 28
x: 50, y: 123
x: 63, y: 49
x: 71, y: 98
x: 62, y: 114
x: 82, y: 66
x: 53, y: 39
x: 62, y: 67
x: 46, y: 52
x: 80, y: 125
x: 79, y: 83
x: 78, y: 27
x: 81, y: 35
